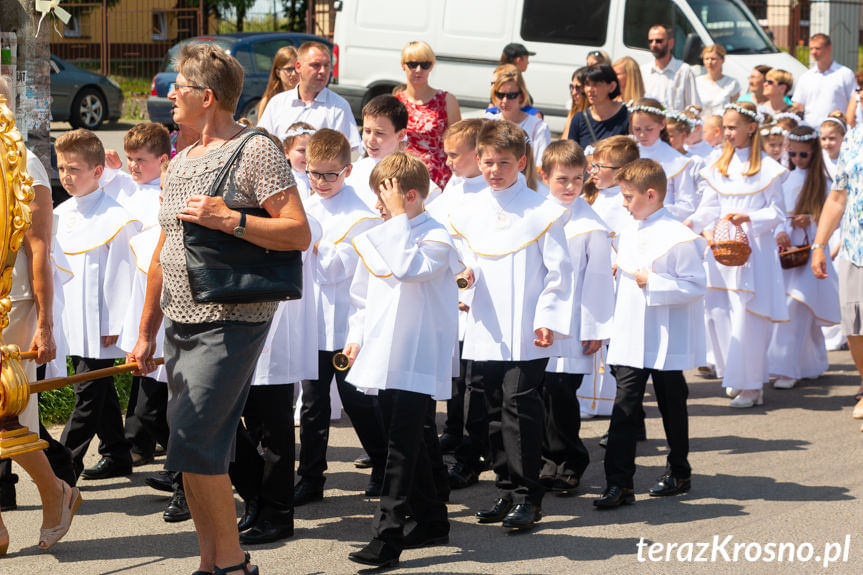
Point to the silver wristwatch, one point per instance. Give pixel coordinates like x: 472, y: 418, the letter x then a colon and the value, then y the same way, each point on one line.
x: 240, y: 230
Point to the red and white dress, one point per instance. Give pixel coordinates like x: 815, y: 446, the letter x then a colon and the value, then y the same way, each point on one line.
x: 426, y: 125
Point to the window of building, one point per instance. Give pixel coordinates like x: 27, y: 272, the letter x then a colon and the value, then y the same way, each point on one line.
x: 160, y: 26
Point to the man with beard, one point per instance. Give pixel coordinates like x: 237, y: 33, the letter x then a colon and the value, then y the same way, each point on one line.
x: 667, y: 79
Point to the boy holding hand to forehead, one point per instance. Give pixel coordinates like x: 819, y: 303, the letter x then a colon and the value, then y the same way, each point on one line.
x: 407, y: 270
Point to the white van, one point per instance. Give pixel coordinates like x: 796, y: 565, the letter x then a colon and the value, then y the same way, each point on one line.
x: 468, y: 36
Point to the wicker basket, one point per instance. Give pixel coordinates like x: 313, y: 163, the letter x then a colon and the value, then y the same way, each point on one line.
x: 796, y: 256
x: 730, y: 248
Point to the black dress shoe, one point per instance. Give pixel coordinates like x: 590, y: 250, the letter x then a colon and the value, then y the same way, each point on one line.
x: 161, y: 481
x: 670, y: 485
x: 250, y: 515
x: 461, y: 476
x: 363, y: 462
x: 306, y: 492
x: 266, y: 531
x: 426, y: 535
x: 523, y: 516
x: 603, y: 441
x: 374, y: 488
x: 615, y: 496
x: 177, y: 510
x: 377, y: 553
x: 449, y: 442
x: 496, y: 512
x: 564, y: 484
x: 107, y: 468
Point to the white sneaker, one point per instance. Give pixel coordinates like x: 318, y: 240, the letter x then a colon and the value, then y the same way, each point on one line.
x: 731, y: 392
x: 748, y: 398
x: 784, y: 383
x: 858, y: 411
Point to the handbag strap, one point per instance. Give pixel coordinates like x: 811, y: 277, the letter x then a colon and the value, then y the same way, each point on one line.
x: 589, y: 127
x: 223, y: 172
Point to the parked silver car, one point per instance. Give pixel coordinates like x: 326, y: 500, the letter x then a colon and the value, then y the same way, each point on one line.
x: 83, y: 98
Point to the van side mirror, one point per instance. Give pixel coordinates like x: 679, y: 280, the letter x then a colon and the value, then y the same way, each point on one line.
x: 337, y: 6
x: 692, y: 48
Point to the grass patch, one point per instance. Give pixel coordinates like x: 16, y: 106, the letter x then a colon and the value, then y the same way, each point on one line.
x: 56, y: 406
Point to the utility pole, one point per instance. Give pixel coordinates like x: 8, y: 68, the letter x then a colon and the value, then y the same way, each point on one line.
x: 33, y: 84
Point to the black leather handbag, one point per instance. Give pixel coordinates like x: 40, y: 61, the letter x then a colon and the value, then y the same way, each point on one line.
x: 226, y: 269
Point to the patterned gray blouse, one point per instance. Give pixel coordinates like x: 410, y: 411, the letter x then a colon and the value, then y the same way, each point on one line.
x: 261, y: 172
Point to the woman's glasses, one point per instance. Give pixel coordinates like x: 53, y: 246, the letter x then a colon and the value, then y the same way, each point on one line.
x: 423, y: 65
x: 803, y: 155
x: 288, y: 69
x: 575, y: 88
x: 507, y: 95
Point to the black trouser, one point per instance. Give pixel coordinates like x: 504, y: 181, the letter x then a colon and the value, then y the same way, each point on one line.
x: 474, y: 442
x: 409, y: 486
x: 563, y: 452
x: 97, y: 412
x: 268, y: 420
x: 454, y: 424
x: 515, y: 425
x: 671, y: 393
x: 363, y: 410
x: 146, y: 420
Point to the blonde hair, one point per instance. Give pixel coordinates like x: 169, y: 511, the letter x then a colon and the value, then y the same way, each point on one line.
x: 411, y: 173
x: 619, y: 150
x: 509, y: 73
x: 724, y: 160
x: 465, y: 131
x: 84, y: 143
x: 781, y: 77
x: 836, y: 118
x: 634, y: 88
x: 328, y: 145
x: 150, y: 136
x: 562, y: 154
x: 211, y: 67
x: 643, y: 174
x: 418, y: 51
x: 307, y: 47
x: 274, y: 85
x: 717, y: 49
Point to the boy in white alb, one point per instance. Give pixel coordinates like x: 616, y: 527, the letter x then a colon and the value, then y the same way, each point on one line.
x: 657, y: 332
x: 589, y: 241
x: 385, y: 122
x: 459, y: 143
x: 342, y: 216
x: 513, y: 240
x: 93, y: 233
x: 402, y: 332
x: 147, y: 147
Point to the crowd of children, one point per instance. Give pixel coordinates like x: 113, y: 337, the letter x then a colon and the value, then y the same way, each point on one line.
x: 572, y: 298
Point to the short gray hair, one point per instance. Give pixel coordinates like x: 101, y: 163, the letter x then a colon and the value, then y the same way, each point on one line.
x: 210, y: 66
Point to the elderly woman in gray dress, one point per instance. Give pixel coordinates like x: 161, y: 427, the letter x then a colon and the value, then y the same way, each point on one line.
x: 211, y: 349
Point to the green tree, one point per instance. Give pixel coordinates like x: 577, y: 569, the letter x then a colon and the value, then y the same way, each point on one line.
x: 295, y: 12
x: 241, y: 7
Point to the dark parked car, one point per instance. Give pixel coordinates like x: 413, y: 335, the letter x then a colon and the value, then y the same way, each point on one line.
x: 83, y: 98
x: 254, y: 50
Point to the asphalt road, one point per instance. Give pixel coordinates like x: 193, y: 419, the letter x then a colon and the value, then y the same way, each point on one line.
x: 787, y: 472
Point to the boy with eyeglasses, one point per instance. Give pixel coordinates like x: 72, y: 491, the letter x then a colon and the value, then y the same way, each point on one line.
x: 343, y: 216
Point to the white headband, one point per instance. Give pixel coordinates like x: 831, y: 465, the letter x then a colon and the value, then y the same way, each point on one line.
x: 774, y: 131
x: 293, y: 132
x: 787, y: 115
x: 741, y: 110
x: 681, y: 117
x: 647, y: 109
x: 836, y: 121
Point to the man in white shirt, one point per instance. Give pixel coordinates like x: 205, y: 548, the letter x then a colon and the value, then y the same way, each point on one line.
x: 311, y: 101
x: 667, y: 79
x: 826, y: 87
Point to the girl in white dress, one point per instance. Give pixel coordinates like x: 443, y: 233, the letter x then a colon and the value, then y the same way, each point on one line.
x: 647, y: 123
x: 743, y: 301
x: 798, y: 350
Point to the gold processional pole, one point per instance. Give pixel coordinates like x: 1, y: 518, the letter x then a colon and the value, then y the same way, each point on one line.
x: 16, y: 193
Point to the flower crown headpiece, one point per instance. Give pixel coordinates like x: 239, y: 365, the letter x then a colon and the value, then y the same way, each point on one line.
x: 743, y: 111
x: 683, y: 118
x: 647, y: 109
x: 813, y: 135
x: 787, y: 116
x: 773, y: 131
x: 294, y: 132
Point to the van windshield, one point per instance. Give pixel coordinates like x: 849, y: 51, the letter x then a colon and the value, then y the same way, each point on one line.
x: 732, y: 26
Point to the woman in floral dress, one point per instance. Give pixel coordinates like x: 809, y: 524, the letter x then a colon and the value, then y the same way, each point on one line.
x: 430, y: 111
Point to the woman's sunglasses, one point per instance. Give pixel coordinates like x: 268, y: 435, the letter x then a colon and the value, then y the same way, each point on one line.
x: 510, y: 95
x: 803, y: 155
x: 423, y: 65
